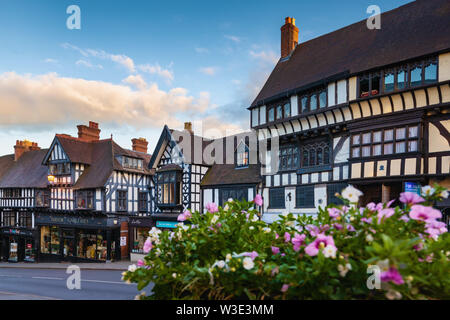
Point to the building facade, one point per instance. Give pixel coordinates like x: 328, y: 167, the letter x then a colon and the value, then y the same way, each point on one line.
x: 357, y: 106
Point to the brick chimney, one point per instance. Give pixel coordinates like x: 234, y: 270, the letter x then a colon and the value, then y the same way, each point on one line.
x: 91, y: 133
x: 188, y: 127
x: 289, y: 37
x: 24, y: 146
x: 140, y: 145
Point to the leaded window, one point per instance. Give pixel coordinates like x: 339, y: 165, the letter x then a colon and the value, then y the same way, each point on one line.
x: 169, y: 188
x: 304, y: 197
x: 121, y: 201
x: 233, y: 193
x: 142, y: 201
x: 85, y: 199
x: 315, y: 154
x: 289, y: 158
x: 276, y: 198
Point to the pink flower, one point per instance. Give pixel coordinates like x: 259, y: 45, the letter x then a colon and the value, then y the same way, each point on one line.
x: 140, y: 263
x: 319, y: 243
x: 298, y: 240
x: 404, y: 218
x: 334, y: 212
x: 410, y: 198
x: 313, y: 230
x: 418, y: 246
x: 212, y: 207
x: 338, y: 226
x: 275, y: 250
x: 366, y: 220
x: 275, y: 271
x: 351, y: 228
x: 184, y: 216
x: 384, y: 214
x: 287, y: 237
x: 147, y: 245
x: 284, y: 288
x: 435, y: 228
x: 219, y: 225
x: 374, y: 207
x: 392, y: 275
x: 258, y: 200
x: 422, y: 213
x: 276, y: 236
x: 252, y: 254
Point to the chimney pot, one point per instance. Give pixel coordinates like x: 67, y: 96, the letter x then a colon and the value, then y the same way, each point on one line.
x: 24, y: 146
x: 91, y: 133
x: 188, y: 127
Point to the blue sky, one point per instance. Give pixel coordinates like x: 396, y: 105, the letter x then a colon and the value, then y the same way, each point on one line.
x: 136, y: 65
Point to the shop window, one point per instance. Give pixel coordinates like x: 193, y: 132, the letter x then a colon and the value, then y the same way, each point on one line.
x: 276, y: 198
x: 304, y: 197
x: 85, y: 199
x: 288, y: 157
x: 242, y: 155
x: 92, y: 245
x: 50, y: 240
x: 122, y: 200
x: 332, y: 190
x: 140, y: 236
x: 42, y: 198
x: 143, y: 201
x: 169, y: 188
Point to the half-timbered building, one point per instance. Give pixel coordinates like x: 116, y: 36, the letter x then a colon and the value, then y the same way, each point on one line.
x: 360, y: 106
x: 95, y: 188
x: 23, y: 192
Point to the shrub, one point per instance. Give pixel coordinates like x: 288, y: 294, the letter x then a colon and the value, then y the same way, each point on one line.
x: 229, y: 253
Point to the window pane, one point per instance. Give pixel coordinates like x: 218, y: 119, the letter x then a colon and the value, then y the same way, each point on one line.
x: 279, y: 112
x: 413, y: 132
x: 375, y: 84
x: 287, y: 110
x: 366, y: 151
x: 364, y: 87
x: 377, y: 136
x: 356, y: 139
x: 313, y: 102
x: 400, y: 134
x: 400, y: 147
x: 305, y: 158
x: 401, y: 81
x: 319, y: 156
x: 377, y: 150
x: 304, y: 102
x: 431, y: 73
x: 271, y: 115
x: 166, y: 193
x: 416, y: 76
x: 326, y: 155
x: 355, y: 152
x: 366, y: 138
x: 388, y: 82
x: 412, y: 146
x: 323, y: 99
x: 172, y: 193
x: 388, y: 135
x: 388, y: 148
x: 312, y: 158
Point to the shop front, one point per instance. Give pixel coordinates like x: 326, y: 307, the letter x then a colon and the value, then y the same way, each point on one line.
x: 139, y: 229
x: 18, y: 245
x: 78, y: 238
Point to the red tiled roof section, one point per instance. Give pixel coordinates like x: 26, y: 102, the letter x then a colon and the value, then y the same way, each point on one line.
x: 416, y: 29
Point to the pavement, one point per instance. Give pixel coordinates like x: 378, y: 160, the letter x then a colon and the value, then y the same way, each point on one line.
x: 18, y: 283
x: 121, y: 265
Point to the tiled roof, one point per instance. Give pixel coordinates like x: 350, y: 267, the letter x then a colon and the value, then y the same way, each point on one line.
x: 414, y: 30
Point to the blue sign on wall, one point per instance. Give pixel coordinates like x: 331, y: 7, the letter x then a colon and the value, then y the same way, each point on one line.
x: 167, y: 224
x: 413, y: 187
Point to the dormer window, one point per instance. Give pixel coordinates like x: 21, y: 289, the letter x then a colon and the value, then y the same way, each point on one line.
x: 132, y: 163
x: 242, y: 155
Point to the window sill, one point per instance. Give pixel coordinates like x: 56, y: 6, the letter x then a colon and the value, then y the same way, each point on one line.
x: 276, y: 208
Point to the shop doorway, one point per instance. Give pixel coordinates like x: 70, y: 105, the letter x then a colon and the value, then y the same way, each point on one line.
x: 68, y: 247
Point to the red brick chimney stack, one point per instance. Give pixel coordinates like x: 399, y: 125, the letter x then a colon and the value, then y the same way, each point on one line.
x: 91, y: 133
x: 24, y: 146
x: 140, y: 145
x: 289, y: 37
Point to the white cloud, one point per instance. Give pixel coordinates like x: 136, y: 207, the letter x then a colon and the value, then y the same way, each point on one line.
x: 49, y: 100
x: 50, y: 60
x: 210, y: 71
x: 233, y: 38
x: 136, y: 80
x: 269, y: 57
x: 156, y: 69
x: 87, y: 64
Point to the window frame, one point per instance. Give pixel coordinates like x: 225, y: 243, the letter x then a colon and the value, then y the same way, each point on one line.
x: 406, y: 140
x: 87, y: 196
x: 245, y: 158
x: 276, y: 205
x: 143, y: 201
x: 177, y: 188
x: 305, y: 190
x: 316, y: 94
x: 274, y: 107
x: 121, y: 200
x: 45, y: 195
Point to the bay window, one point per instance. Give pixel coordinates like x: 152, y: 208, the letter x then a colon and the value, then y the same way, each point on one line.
x: 169, y: 188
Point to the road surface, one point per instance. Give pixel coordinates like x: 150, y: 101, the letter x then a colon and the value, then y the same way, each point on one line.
x: 46, y: 284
